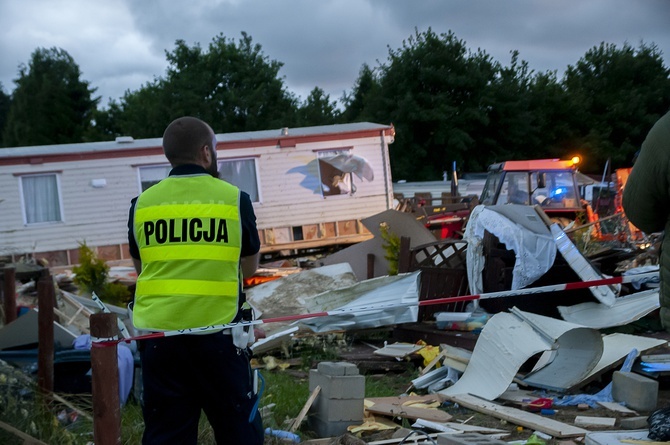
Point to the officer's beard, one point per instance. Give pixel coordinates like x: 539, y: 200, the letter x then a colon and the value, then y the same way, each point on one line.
x: 213, y: 167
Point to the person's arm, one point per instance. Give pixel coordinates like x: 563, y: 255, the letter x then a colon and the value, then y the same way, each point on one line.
x: 138, y: 266
x: 251, y: 243
x: 646, y: 196
x: 248, y: 264
x: 132, y: 242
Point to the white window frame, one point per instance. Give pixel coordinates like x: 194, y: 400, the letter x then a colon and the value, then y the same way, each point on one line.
x: 253, y: 159
x: 24, y: 207
x: 167, y: 168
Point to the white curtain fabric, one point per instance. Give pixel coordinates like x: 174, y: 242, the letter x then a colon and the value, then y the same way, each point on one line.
x: 241, y: 173
x: 535, y: 253
x: 40, y: 198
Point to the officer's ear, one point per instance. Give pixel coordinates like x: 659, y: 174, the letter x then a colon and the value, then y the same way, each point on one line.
x: 205, y: 155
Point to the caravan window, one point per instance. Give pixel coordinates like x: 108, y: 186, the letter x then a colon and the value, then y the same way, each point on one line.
x: 153, y: 175
x: 41, y: 198
x: 337, y: 169
x: 242, y: 173
x: 239, y: 172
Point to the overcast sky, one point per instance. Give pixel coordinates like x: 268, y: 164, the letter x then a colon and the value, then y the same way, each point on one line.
x: 120, y: 44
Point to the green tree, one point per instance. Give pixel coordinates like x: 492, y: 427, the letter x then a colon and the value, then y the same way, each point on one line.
x: 51, y: 103
x: 358, y: 103
x: 617, y: 94
x: 433, y: 90
x: 233, y: 86
x: 317, y: 110
x: 5, y: 102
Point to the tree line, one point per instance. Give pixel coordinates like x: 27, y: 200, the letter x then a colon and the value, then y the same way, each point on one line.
x: 447, y: 103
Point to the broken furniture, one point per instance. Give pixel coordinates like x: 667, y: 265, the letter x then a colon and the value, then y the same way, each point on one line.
x: 443, y: 274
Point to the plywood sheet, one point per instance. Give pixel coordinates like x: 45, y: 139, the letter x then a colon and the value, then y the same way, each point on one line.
x: 409, y: 412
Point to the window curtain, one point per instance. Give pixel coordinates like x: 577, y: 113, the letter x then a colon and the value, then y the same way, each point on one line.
x: 242, y: 174
x: 40, y: 197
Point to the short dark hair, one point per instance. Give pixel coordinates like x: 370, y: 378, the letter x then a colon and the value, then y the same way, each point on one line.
x: 184, y: 137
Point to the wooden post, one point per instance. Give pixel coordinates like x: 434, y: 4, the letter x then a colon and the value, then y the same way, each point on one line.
x: 371, y: 266
x: 403, y: 260
x: 45, y: 330
x: 105, y: 382
x: 9, y: 290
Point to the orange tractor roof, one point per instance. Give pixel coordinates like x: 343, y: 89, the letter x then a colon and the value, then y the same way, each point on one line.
x: 533, y: 165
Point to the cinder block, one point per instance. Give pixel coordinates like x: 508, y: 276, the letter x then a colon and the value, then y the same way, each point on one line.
x: 338, y: 409
x: 467, y: 439
x: 337, y: 368
x: 634, y: 423
x: 341, y: 387
x: 328, y: 429
x: 637, y: 392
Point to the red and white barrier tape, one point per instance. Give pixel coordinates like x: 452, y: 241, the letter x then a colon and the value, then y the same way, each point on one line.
x: 508, y: 293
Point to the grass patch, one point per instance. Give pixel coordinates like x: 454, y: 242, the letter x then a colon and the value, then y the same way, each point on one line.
x: 287, y: 389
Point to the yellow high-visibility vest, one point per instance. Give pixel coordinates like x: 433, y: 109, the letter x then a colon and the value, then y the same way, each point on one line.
x: 189, y: 235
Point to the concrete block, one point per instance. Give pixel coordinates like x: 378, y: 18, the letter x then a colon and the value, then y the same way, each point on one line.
x: 329, y: 429
x: 467, y: 439
x: 634, y: 423
x: 340, y: 387
x: 636, y: 391
x: 337, y: 368
x: 338, y: 409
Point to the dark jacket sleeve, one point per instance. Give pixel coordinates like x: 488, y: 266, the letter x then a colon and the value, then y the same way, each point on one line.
x: 132, y: 242
x: 251, y: 242
x: 646, y: 197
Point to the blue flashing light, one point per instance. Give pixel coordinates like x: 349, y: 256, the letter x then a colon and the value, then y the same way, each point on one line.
x: 558, y: 191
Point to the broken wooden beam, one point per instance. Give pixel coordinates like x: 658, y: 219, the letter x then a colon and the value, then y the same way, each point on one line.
x: 517, y: 416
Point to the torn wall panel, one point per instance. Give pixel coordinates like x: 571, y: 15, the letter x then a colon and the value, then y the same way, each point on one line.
x: 505, y: 343
x: 510, y: 340
x: 372, y: 303
x: 625, y: 310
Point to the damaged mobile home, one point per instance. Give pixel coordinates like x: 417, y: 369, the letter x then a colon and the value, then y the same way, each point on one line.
x: 310, y: 188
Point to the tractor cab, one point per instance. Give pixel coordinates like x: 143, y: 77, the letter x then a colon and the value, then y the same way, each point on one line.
x: 549, y: 183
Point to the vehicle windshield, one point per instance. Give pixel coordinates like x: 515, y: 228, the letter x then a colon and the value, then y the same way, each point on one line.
x: 550, y: 189
x: 558, y: 190
x: 490, y: 188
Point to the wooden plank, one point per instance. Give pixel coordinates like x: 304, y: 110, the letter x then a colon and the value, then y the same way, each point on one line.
x: 303, y: 411
x: 414, y: 439
x: 27, y: 440
x: 517, y: 416
x: 613, y: 406
x: 409, y: 412
x: 400, y: 401
x: 595, y: 421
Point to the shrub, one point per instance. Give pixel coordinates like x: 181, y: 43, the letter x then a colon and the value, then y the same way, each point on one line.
x: 91, y: 276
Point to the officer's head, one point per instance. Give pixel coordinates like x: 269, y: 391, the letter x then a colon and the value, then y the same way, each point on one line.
x: 188, y: 140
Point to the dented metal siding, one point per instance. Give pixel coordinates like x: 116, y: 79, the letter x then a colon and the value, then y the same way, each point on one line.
x: 292, y: 193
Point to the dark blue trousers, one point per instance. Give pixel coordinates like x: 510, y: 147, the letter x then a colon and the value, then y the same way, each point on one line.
x: 185, y: 374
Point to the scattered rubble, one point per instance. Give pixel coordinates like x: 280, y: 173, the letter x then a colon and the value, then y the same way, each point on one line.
x: 568, y: 348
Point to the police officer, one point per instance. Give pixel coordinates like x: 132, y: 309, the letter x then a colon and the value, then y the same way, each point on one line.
x: 192, y: 237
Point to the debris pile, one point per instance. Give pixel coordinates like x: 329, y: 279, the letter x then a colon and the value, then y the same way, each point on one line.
x: 509, y: 345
